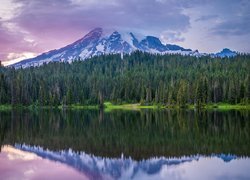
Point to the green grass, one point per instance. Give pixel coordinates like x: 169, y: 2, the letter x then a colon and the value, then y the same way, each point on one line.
x: 220, y: 106
x: 137, y: 106
x: 225, y: 106
x: 78, y: 106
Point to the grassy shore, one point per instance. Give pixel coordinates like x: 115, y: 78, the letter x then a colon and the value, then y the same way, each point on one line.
x: 5, y: 107
x: 223, y: 106
x: 230, y: 106
x: 77, y: 106
x: 108, y: 106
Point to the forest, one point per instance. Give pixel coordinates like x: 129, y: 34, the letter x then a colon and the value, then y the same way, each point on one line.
x: 134, y: 78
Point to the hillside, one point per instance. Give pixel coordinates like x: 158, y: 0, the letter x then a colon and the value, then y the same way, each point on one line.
x: 137, y: 78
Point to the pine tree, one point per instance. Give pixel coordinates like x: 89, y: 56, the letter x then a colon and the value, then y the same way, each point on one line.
x: 232, y: 93
x: 182, y: 94
x: 242, y: 93
x: 247, y: 90
x: 148, y: 95
x: 69, y: 97
x: 3, y: 90
x: 100, y: 99
x: 205, y: 90
x: 199, y: 93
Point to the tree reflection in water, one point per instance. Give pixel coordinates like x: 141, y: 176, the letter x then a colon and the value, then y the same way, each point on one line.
x: 137, y: 134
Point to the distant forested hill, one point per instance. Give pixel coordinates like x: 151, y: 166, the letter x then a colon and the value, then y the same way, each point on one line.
x: 139, y: 77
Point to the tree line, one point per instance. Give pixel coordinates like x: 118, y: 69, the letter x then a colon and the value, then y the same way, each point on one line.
x: 138, y: 77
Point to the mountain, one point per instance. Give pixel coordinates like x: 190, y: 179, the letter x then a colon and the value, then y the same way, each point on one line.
x: 226, y: 53
x: 96, y: 42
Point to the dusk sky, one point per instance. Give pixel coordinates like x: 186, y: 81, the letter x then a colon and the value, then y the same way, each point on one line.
x: 30, y: 27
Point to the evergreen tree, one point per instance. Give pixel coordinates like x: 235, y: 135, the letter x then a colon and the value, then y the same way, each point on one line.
x: 199, y: 93
x: 3, y: 90
x: 182, y: 94
x: 69, y: 97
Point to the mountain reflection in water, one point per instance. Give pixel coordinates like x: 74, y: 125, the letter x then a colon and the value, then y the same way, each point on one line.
x: 190, y: 167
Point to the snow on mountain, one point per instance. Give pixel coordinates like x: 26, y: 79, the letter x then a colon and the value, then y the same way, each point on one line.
x: 225, y: 53
x: 96, y: 42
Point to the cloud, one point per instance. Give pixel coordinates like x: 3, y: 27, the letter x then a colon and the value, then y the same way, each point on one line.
x: 234, y: 18
x: 85, y: 15
x: 8, y: 9
x: 13, y: 40
x: 226, y: 17
x: 216, y: 24
x: 16, y: 57
x: 172, y: 37
x: 237, y: 26
x: 206, y: 18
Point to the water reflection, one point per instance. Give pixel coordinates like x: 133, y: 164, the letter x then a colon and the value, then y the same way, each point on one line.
x: 18, y: 164
x: 136, y: 134
x: 144, y: 144
x: 192, y: 167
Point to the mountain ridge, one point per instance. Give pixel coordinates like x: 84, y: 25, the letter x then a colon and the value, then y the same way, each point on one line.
x: 96, y: 42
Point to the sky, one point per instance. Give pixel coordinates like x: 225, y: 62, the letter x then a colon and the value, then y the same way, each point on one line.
x: 30, y: 27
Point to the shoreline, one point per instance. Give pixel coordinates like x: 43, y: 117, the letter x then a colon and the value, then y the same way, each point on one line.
x: 108, y: 106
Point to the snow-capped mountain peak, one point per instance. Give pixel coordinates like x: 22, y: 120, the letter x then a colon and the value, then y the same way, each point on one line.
x: 96, y: 42
x: 93, y: 35
x: 226, y: 53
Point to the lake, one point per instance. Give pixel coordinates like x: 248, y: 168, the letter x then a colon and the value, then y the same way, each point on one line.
x: 145, y: 144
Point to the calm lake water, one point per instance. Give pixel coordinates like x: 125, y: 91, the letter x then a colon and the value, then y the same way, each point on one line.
x: 146, y: 144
